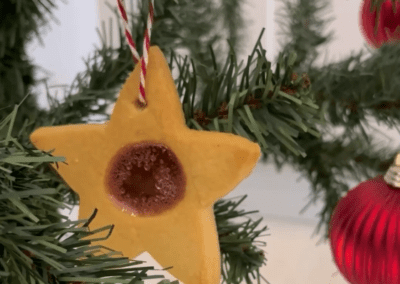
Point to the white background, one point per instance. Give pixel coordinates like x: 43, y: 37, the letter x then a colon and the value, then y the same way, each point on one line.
x: 292, y: 255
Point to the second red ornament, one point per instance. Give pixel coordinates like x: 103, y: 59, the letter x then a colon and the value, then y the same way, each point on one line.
x: 388, y: 23
x: 364, y: 230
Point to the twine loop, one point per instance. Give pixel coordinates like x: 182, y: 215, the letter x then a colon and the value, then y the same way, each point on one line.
x: 146, y: 45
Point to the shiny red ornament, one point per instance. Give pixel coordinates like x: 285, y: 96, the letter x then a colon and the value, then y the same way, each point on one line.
x: 364, y: 233
x: 388, y: 23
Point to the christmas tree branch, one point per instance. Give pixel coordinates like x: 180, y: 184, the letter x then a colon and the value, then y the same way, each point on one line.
x: 237, y: 243
x: 357, y: 92
x: 35, y: 245
x: 347, y: 93
x: 302, y: 23
x: 261, y: 105
x: 255, y: 87
x: 21, y: 21
x: 270, y: 108
x: 191, y: 25
x: 34, y: 241
x: 255, y: 102
x: 349, y: 96
x: 330, y: 165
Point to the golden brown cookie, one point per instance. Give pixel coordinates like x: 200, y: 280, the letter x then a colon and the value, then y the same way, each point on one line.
x: 151, y: 176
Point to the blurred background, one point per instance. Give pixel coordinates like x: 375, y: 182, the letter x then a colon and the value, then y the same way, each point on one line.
x: 293, y: 256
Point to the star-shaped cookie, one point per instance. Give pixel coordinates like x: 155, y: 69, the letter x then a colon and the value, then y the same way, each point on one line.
x: 151, y: 176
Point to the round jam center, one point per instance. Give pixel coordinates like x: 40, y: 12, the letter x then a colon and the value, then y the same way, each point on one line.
x: 145, y: 179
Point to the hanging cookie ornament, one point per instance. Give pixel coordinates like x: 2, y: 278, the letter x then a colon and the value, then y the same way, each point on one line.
x: 382, y: 24
x: 365, y: 230
x: 150, y: 175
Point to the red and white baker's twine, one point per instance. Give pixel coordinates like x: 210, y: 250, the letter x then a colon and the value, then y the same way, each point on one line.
x: 146, y: 44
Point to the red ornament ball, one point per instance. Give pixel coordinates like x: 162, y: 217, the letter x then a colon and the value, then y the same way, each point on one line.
x: 388, y: 23
x: 364, y: 233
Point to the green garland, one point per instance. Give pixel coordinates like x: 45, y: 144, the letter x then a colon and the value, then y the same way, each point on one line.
x: 22, y: 165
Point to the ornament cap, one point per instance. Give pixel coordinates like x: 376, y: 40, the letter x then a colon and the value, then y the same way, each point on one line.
x: 397, y: 160
x: 392, y: 176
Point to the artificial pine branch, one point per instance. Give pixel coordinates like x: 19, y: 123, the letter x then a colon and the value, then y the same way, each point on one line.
x: 262, y: 92
x: 35, y: 245
x: 192, y: 25
x: 330, y: 165
x: 32, y: 237
x: 361, y: 88
x: 20, y: 22
x: 244, y: 238
x: 231, y: 12
x: 288, y: 106
x: 95, y: 84
x: 348, y: 91
x: 270, y: 108
x: 237, y: 243
x: 302, y: 23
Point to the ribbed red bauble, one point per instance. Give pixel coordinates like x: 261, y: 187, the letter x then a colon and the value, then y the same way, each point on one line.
x: 364, y: 230
x: 388, y: 29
